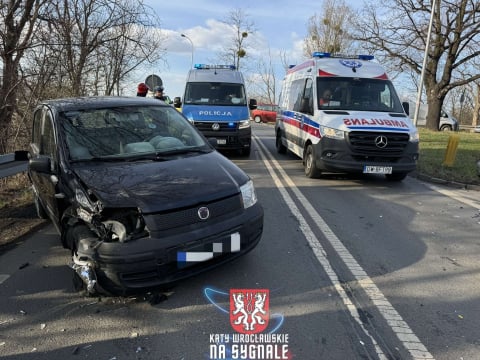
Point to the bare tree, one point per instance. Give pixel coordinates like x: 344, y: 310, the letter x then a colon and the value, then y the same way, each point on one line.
x: 398, y: 30
x: 136, y: 45
x: 242, y: 28
x: 102, y: 39
x: 17, y: 24
x: 328, y: 31
x: 263, y: 84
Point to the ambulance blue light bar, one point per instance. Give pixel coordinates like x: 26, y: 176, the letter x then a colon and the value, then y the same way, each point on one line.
x: 318, y: 54
x: 208, y: 66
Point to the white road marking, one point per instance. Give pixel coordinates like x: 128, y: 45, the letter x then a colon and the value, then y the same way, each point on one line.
x: 3, y: 277
x: 406, y: 336
x: 468, y: 197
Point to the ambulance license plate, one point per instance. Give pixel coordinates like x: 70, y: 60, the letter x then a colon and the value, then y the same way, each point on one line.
x: 221, y: 141
x: 377, y: 169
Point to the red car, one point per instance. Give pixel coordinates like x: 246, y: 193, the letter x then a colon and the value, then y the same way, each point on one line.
x: 265, y: 113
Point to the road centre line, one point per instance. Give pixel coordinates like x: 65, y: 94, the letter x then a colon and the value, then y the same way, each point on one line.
x: 401, y: 329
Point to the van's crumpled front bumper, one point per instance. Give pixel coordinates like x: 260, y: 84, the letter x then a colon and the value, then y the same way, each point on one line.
x: 173, y: 254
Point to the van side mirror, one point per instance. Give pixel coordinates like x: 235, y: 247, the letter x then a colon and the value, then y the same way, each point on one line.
x: 252, y: 104
x: 406, y: 107
x: 40, y: 164
x: 177, y: 102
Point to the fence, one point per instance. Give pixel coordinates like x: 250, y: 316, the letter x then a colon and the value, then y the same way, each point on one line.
x: 12, y: 164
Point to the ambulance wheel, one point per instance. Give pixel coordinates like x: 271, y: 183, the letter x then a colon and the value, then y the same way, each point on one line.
x: 309, y: 163
x: 281, y: 149
x: 396, y: 176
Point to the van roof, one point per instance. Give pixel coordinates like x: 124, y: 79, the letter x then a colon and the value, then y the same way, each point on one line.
x: 347, y: 67
x: 215, y: 75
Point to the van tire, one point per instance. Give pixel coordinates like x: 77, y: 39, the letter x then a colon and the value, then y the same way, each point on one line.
x: 246, y: 151
x: 446, y: 128
x: 311, y: 170
x: 399, y: 176
x: 281, y: 149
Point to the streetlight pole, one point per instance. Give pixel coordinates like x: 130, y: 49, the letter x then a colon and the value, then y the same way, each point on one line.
x: 425, y: 56
x: 191, y: 43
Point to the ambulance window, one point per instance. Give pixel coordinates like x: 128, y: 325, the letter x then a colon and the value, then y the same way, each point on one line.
x: 307, y: 105
x: 301, y: 96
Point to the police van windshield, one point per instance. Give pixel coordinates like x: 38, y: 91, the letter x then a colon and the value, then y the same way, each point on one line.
x: 208, y: 93
x: 357, y: 94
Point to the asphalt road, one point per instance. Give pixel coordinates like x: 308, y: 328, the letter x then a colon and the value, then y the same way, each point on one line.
x: 356, y: 268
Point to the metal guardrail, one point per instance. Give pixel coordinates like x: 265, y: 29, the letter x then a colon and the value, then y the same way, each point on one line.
x: 12, y: 164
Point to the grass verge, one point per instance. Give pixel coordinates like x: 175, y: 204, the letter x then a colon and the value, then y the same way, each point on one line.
x: 433, y: 153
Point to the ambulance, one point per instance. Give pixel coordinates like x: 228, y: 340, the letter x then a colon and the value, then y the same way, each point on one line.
x: 342, y: 114
x: 215, y: 101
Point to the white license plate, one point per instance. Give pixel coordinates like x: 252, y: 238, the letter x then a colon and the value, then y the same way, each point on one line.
x: 377, y: 169
x: 221, y: 141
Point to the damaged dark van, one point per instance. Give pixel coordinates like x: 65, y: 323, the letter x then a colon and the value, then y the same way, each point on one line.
x: 138, y: 195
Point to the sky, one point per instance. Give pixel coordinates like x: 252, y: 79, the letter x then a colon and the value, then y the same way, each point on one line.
x: 280, y: 25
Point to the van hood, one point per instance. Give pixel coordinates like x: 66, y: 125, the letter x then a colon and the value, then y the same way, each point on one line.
x: 215, y: 113
x: 369, y: 121
x: 155, y: 186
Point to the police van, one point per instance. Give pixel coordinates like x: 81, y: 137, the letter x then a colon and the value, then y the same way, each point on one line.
x: 342, y: 114
x: 215, y: 101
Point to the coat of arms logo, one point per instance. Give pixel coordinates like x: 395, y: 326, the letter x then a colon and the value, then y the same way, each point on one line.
x: 249, y: 310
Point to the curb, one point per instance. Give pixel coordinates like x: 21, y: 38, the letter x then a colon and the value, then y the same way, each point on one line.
x: 453, y: 184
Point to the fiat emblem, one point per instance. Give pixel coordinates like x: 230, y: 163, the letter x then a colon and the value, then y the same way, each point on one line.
x: 203, y: 213
x: 381, y: 141
x: 216, y: 126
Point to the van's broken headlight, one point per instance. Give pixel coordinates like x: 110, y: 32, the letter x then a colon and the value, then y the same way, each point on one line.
x: 249, y: 196
x: 123, y: 225
x: 83, y: 200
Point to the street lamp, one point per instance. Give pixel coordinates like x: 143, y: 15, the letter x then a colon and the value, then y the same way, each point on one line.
x: 191, y: 43
x: 425, y: 56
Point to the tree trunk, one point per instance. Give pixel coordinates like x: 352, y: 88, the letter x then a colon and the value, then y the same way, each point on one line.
x: 433, y: 115
x: 476, y: 108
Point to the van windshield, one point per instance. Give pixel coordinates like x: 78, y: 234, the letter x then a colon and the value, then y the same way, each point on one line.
x: 357, y: 94
x: 208, y: 93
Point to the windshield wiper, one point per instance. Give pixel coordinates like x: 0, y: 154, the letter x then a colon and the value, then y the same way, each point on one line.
x: 185, y: 151
x: 98, y: 159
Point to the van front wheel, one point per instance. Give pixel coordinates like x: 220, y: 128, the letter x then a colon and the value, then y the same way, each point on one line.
x: 281, y: 149
x: 311, y: 170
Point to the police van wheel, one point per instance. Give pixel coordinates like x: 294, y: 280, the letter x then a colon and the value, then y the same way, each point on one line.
x: 309, y: 162
x: 281, y: 149
x: 245, y: 151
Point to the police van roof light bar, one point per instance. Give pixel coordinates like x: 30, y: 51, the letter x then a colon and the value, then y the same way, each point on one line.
x: 320, y: 54
x: 208, y: 66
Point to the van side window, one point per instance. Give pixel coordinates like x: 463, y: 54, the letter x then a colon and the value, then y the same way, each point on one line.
x: 37, y: 130
x: 48, y: 145
x: 307, y: 105
x: 301, y: 96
